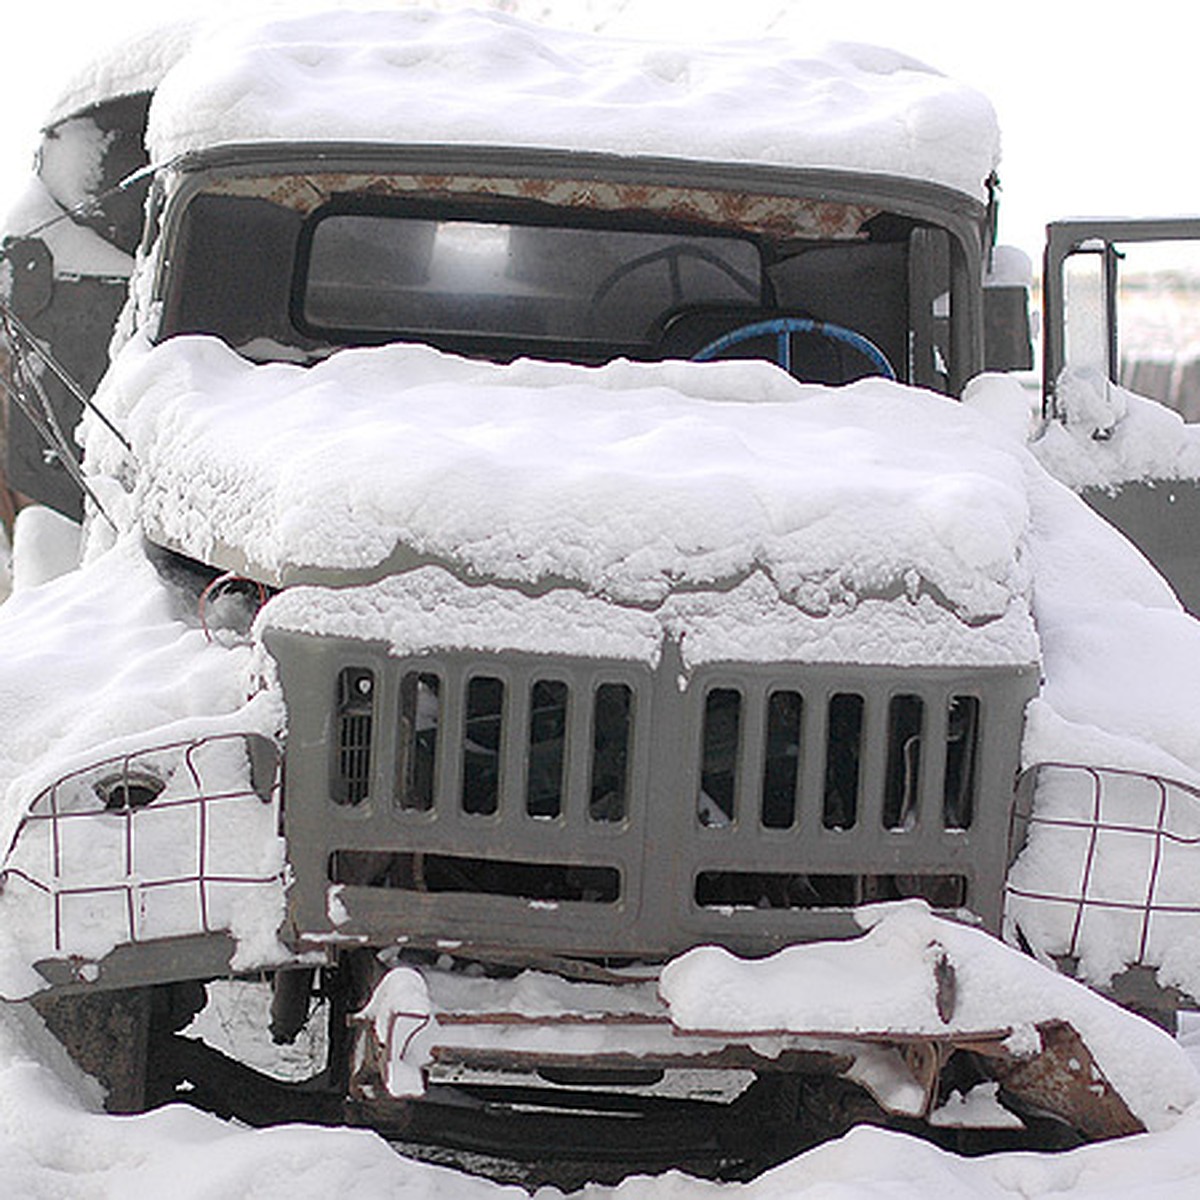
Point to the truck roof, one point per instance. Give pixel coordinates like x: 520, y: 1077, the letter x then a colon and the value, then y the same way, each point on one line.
x: 414, y: 77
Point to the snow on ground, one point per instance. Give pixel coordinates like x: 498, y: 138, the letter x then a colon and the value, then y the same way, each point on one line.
x: 420, y: 77
x: 1091, y: 593
x: 55, y: 1144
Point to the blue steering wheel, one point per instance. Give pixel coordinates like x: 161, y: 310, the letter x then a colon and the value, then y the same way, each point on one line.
x: 784, y: 328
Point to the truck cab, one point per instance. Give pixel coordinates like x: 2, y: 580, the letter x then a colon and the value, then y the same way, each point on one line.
x: 539, y: 682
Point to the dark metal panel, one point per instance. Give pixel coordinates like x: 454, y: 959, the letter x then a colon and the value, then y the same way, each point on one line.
x: 1162, y: 518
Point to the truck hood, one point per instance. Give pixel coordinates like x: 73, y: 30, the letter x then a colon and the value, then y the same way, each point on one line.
x: 631, y: 482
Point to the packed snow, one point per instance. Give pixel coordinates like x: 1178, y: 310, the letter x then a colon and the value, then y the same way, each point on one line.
x: 104, y: 665
x: 835, y: 986
x: 880, y: 983
x: 1109, y: 436
x: 421, y: 77
x: 871, y: 523
x: 1095, y: 602
x: 837, y: 495
x: 54, y: 1141
x: 76, y: 249
x: 132, y: 66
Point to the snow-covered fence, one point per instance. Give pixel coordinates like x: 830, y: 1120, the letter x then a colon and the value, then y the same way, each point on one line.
x: 164, y: 841
x: 1123, y: 851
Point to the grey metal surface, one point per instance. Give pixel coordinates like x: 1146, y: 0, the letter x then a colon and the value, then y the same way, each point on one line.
x: 166, y: 960
x: 1162, y: 518
x: 661, y: 846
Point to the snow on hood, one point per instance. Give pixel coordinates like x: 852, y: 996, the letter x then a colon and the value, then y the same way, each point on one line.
x: 419, y: 77
x: 631, y: 480
x: 429, y: 609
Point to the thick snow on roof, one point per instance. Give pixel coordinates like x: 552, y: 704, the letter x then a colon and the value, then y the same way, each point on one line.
x: 125, y: 69
x: 419, y: 77
x: 630, y: 481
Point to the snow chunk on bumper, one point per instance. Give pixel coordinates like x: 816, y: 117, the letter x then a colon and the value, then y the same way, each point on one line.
x: 883, y: 982
x: 629, y: 480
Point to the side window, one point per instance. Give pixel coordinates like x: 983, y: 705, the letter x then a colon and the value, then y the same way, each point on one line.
x: 233, y: 271
x: 1122, y: 298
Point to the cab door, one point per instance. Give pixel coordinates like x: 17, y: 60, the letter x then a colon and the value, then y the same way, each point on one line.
x: 1121, y: 381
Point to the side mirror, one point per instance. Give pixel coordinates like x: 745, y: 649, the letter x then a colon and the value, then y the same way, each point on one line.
x: 1007, y: 330
x: 31, y: 268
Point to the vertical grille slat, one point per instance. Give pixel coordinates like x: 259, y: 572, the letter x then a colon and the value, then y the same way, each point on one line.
x: 962, y: 753
x: 902, y: 781
x: 843, y: 759
x: 482, y: 745
x: 782, y: 758
x: 351, y: 780
x: 720, y: 757
x: 419, y: 732
x: 546, y: 756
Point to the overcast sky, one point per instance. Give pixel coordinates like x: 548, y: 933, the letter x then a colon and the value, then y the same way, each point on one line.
x: 1097, y: 111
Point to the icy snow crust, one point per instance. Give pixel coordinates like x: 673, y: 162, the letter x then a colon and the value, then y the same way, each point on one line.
x: 632, y: 482
x: 418, y: 77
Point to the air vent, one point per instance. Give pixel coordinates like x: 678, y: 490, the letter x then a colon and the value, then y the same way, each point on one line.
x: 351, y: 780
x: 797, y: 890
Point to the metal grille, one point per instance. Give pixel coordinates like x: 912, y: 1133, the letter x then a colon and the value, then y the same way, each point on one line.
x: 351, y: 778
x: 784, y: 756
x: 1129, y: 845
x: 600, y: 807
x: 149, y: 844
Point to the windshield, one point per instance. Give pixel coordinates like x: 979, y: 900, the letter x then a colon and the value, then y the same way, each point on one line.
x: 402, y: 275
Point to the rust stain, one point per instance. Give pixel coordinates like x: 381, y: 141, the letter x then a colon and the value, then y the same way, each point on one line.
x: 1065, y: 1080
x: 777, y: 216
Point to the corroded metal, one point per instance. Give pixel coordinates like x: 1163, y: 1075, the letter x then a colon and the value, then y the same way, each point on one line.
x: 1064, y: 1079
x: 779, y: 216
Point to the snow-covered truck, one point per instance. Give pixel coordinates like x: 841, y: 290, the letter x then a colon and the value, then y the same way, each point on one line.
x: 562, y: 598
